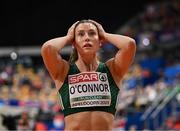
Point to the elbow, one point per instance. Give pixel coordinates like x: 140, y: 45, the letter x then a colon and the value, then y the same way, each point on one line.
x: 132, y: 41
x: 45, y: 48
x: 132, y: 44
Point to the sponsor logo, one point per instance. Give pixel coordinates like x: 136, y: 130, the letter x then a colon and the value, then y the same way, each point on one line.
x: 83, y: 77
x: 89, y: 89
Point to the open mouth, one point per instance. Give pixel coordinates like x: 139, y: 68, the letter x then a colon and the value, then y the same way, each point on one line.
x: 87, y: 45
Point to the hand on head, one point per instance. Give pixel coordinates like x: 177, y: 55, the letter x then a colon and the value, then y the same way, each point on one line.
x: 70, y: 32
x: 101, y: 31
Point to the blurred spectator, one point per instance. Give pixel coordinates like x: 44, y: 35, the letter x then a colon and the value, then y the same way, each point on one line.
x: 10, y: 121
x: 23, y: 123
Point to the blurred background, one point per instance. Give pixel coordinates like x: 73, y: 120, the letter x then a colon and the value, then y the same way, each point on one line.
x: 150, y: 94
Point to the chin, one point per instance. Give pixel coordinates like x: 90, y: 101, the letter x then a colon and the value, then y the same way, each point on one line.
x: 89, y: 52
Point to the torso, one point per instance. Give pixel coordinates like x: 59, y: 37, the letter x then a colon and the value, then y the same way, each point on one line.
x: 93, y: 120
x: 88, y: 120
x: 59, y: 83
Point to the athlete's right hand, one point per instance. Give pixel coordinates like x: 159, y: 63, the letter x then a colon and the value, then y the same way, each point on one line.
x: 71, y: 33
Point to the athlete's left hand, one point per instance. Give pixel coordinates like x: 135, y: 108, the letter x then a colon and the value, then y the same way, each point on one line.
x: 102, y: 33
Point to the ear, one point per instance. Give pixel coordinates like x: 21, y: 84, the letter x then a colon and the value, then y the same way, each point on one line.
x: 73, y: 45
x: 100, y: 44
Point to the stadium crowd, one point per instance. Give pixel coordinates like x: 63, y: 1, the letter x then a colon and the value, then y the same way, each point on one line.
x: 30, y: 88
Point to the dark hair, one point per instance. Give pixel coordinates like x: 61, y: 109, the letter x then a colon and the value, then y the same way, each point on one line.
x: 74, y: 54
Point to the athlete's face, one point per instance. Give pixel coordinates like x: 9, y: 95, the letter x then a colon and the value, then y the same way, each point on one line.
x: 87, y: 38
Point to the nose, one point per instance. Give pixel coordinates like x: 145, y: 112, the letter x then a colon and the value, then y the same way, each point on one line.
x: 86, y: 37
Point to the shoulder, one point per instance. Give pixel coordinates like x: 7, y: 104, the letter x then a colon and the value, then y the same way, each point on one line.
x: 109, y: 63
x: 113, y: 71
x: 65, y: 69
x: 62, y: 76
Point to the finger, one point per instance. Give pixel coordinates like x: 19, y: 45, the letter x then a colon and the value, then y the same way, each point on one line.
x: 72, y: 26
x: 75, y: 23
x: 95, y: 22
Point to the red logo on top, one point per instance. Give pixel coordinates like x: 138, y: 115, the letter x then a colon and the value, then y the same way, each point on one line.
x: 83, y: 77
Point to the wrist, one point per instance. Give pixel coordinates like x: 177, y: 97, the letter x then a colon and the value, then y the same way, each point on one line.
x: 106, y: 40
x: 68, y: 39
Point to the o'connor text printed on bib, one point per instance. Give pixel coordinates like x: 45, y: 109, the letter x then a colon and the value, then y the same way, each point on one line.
x: 89, y: 89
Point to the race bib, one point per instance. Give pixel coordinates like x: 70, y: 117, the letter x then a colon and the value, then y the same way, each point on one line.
x: 89, y: 89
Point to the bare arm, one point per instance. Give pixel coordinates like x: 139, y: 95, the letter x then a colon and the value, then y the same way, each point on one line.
x: 124, y: 57
x: 51, y: 57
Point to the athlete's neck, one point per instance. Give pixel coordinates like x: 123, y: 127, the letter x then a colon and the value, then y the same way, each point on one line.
x: 85, y: 64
